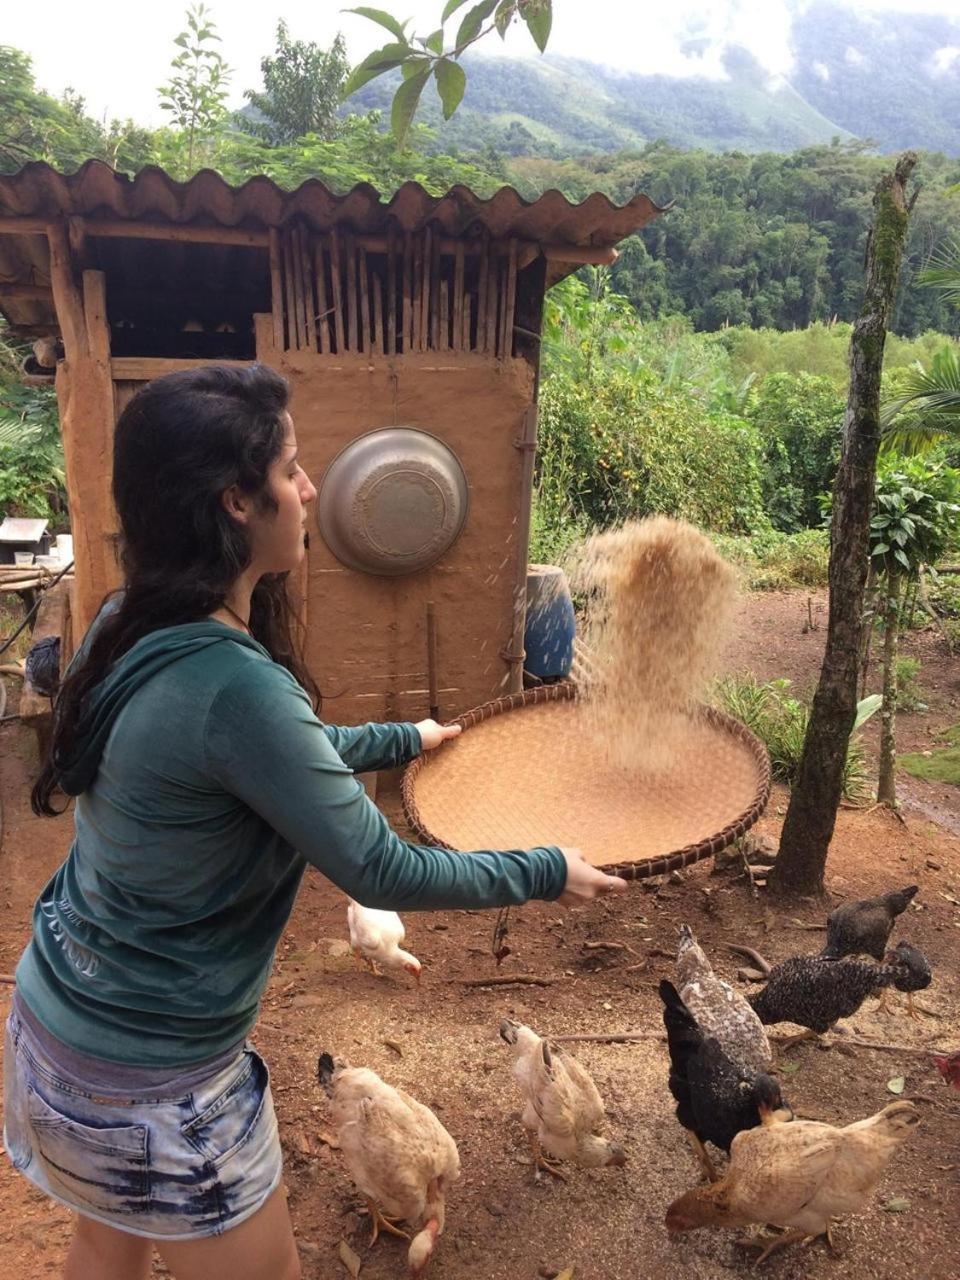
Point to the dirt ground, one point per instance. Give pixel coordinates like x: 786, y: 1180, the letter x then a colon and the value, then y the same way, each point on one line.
x: 442, y: 1045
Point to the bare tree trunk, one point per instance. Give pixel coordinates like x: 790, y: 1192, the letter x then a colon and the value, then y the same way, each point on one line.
x: 869, y: 619
x: 886, y: 783
x: 812, y: 813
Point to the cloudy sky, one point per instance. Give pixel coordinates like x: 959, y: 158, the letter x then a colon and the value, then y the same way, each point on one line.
x: 116, y: 52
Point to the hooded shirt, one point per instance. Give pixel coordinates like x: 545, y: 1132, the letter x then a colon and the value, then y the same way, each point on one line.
x: 205, y: 784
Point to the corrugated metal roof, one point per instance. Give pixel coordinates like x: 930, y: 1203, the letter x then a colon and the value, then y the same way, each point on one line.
x: 97, y: 191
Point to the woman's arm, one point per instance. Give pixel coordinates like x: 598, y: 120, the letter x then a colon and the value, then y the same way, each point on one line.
x: 374, y: 746
x: 264, y: 744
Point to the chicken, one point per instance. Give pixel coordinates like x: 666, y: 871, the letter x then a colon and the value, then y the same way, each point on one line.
x: 562, y: 1109
x: 716, y: 1100
x: 815, y: 992
x: 397, y: 1152
x: 949, y: 1067
x: 375, y: 937
x: 864, y: 927
x: 719, y: 1010
x: 797, y: 1176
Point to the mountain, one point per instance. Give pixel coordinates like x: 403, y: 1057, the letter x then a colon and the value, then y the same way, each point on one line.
x: 892, y: 78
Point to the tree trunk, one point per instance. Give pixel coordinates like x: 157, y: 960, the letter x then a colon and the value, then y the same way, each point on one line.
x: 812, y: 813
x: 886, y: 784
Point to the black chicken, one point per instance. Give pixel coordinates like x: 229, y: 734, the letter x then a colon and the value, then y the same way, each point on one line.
x: 716, y: 1099
x: 864, y: 927
x: 815, y: 992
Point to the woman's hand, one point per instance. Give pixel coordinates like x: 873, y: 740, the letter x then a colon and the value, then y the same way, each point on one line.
x: 585, y: 882
x: 432, y: 734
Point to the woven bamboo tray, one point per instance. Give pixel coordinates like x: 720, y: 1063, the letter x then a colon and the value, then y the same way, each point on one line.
x: 523, y: 773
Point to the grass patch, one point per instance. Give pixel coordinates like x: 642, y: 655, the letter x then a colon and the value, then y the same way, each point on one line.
x: 779, y: 561
x: 942, y: 764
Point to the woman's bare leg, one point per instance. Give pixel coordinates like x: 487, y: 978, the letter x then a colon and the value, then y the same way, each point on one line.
x: 260, y: 1248
x: 104, y: 1252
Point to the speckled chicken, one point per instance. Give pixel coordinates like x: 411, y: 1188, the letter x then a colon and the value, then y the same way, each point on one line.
x: 719, y: 1010
x: 397, y: 1152
x: 864, y: 927
x: 815, y: 992
x: 716, y: 1099
x: 797, y: 1176
x: 562, y: 1109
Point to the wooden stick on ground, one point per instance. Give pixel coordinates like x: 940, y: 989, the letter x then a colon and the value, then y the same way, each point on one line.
x: 612, y: 1037
x: 506, y: 979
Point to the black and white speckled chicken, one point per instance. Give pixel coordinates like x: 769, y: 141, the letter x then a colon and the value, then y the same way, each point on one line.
x: 716, y: 1099
x: 815, y: 992
x: 719, y: 1010
x: 864, y: 927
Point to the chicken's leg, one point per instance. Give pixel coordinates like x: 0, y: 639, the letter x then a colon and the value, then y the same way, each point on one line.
x: 788, y: 1237
x: 380, y: 1222
x: 789, y: 1041
x: 703, y: 1156
x: 540, y: 1161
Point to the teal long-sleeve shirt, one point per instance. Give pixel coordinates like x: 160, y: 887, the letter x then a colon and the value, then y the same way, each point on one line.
x: 206, y: 786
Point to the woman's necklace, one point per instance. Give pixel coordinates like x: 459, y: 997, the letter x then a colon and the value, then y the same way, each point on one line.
x: 234, y: 614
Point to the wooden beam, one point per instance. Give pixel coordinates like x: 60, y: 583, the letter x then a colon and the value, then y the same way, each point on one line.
x: 95, y: 315
x: 276, y: 288
x: 26, y: 293
x: 145, y: 368
x: 124, y: 229
x: 66, y: 295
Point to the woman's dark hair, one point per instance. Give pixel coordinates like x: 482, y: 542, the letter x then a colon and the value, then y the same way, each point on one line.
x: 179, y: 444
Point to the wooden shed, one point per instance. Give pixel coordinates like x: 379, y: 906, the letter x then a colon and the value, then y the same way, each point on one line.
x: 420, y: 312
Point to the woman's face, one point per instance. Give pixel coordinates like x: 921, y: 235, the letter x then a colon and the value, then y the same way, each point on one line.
x: 277, y: 536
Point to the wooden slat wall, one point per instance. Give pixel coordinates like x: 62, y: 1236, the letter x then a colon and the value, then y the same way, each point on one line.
x: 423, y: 292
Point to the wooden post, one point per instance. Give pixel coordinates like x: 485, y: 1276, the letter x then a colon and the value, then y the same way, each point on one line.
x: 276, y: 289
x: 337, y: 287
x: 435, y: 283
x: 85, y: 397
x: 511, y: 300
x: 306, y: 276
x: 367, y: 335
x: 293, y: 312
x: 378, y: 345
x: 323, y: 306
x: 527, y: 444
x: 458, y: 299
x: 391, y: 336
x: 407, y: 322
x: 482, y: 288
x: 350, y: 249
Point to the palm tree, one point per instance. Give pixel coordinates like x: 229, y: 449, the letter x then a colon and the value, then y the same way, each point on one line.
x: 928, y: 406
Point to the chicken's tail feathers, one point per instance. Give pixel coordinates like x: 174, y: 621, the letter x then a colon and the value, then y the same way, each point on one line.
x: 900, y: 899
x: 326, y: 1068
x: 899, y: 1118
x: 509, y: 1030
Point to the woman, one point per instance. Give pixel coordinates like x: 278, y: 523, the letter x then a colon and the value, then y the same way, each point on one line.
x: 205, y: 784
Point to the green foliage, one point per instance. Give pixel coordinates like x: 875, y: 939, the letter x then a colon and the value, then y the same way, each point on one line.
x: 32, y: 479
x: 36, y: 126
x: 420, y: 58
x: 302, y: 88
x: 910, y: 696
x: 916, y: 514
x: 800, y: 420
x: 195, y: 95
x: 780, y: 722
x: 621, y: 446
x: 774, y: 561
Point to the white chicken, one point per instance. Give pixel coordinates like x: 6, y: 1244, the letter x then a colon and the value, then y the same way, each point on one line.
x: 397, y: 1152
x: 375, y: 937
x: 563, y: 1111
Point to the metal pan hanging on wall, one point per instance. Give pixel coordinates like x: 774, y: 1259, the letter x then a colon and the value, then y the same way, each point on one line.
x: 392, y: 502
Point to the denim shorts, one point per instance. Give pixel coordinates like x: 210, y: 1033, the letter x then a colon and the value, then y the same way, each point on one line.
x: 180, y: 1165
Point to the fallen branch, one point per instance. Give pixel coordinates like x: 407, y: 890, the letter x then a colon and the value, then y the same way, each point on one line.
x: 897, y: 1048
x: 611, y: 1037
x: 505, y: 979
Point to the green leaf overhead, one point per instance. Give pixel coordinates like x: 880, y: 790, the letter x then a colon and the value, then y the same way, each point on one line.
x: 538, y: 15
x: 470, y: 26
x: 504, y: 15
x: 451, y: 82
x: 451, y: 7
x: 380, y: 16
x: 405, y: 104
x: 375, y: 64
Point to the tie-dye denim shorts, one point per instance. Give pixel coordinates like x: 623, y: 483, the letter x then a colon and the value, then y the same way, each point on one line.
x: 175, y: 1164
